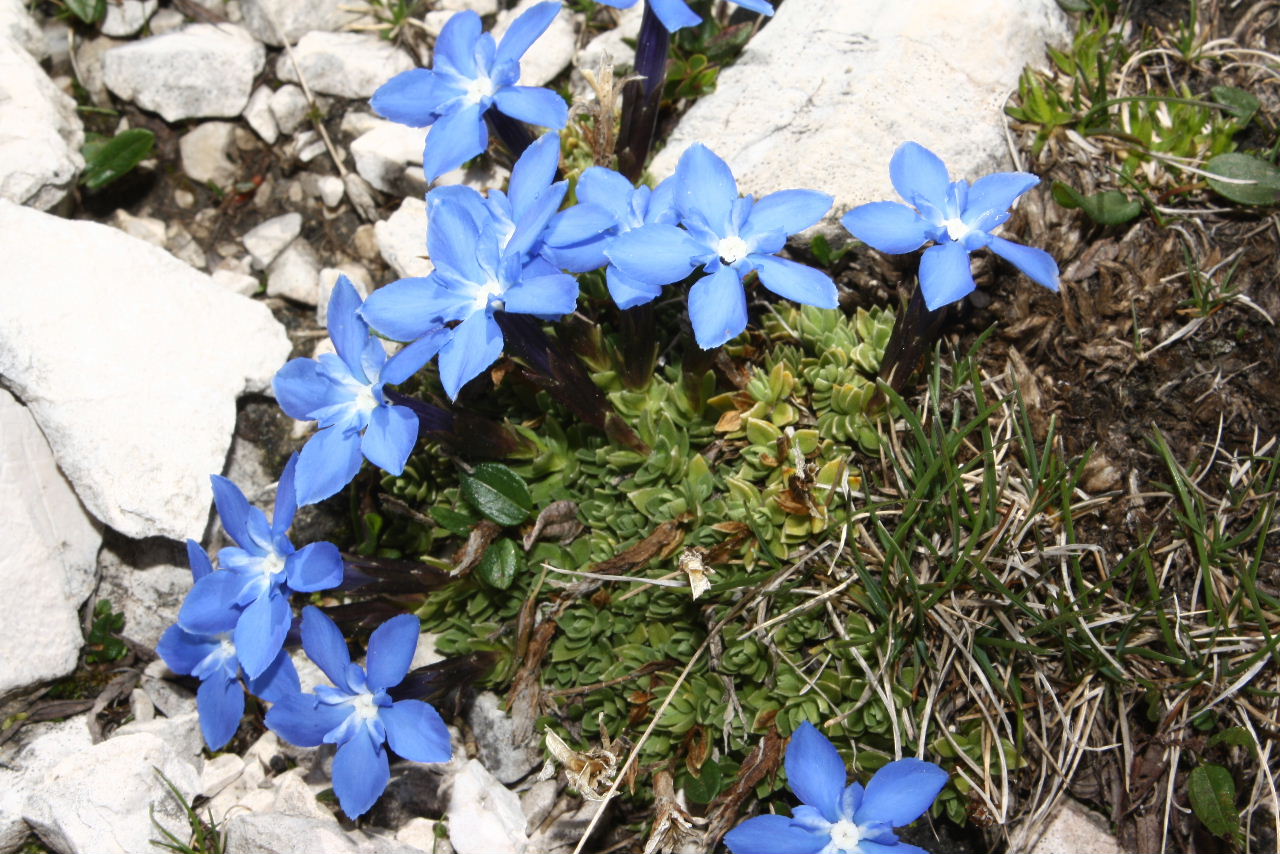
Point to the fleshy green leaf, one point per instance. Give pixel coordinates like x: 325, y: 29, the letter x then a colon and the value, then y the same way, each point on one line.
x: 106, y: 161
x: 89, y: 11
x: 1213, y: 798
x: 500, y: 563
x: 1238, y: 102
x: 498, y: 493
x: 1110, y: 207
x: 1264, y: 179
x: 455, y: 522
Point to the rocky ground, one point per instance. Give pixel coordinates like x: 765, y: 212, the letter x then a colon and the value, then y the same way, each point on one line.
x: 142, y: 323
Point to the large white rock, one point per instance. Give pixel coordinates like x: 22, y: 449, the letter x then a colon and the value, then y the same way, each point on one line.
x: 1078, y: 830
x: 268, y: 239
x: 103, y: 800
x: 17, y: 26
x: 126, y: 17
x: 384, y: 152
x: 24, y: 761
x: 205, y: 149
x: 294, y: 19
x: 828, y: 89
x: 204, y: 70
x: 295, y: 274
x: 506, y: 759
x: 276, y: 833
x: 402, y: 238
x: 47, y: 562
x: 40, y: 133
x: 146, y: 583
x: 484, y: 816
x: 133, y: 371
x: 551, y: 53
x: 351, y: 65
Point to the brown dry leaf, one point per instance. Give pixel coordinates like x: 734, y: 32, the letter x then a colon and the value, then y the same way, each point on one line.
x: 481, y: 536
x: 672, y: 824
x: 664, y: 540
x: 729, y: 422
x: 726, y: 810
x: 590, y: 773
x: 556, y: 520
x: 691, y: 563
x: 525, y: 699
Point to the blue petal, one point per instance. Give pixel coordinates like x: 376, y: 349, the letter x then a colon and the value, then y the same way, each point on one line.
x: 407, y: 309
x: 411, y: 358
x: 198, y: 560
x: 773, y: 834
x: 758, y: 6
x: 416, y: 731
x: 796, y: 281
x: 887, y: 227
x: 705, y: 190
x: 300, y: 720
x: 532, y: 224
x: 410, y: 98
x: 390, y: 437
x: 628, y: 292
x: 455, y: 50
x: 476, y: 344
x: 325, y: 645
x: 919, y: 175
x: 901, y: 792
x: 459, y: 225
x: 1036, y: 263
x: 233, y: 509
x: 300, y: 389
x: 209, y: 608
x: 945, y: 275
x: 533, y: 104
x: 286, y: 499
x: 674, y: 14
x: 348, y: 330
x: 221, y: 704
x: 543, y: 295
x: 454, y: 139
x: 182, y: 650
x: 313, y: 567
x: 533, y: 173
x: 655, y: 254
x: 279, y: 680
x: 524, y: 31
x: 717, y: 308
x: 360, y: 774
x: 260, y: 631
x: 328, y: 462
x: 579, y: 224
x: 996, y: 192
x: 815, y: 771
x: 788, y: 211
x: 609, y: 190
x: 391, y: 648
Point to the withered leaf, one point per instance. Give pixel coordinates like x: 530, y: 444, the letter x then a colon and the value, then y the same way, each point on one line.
x: 482, y: 535
x: 552, y: 521
x: 726, y: 810
x: 664, y: 540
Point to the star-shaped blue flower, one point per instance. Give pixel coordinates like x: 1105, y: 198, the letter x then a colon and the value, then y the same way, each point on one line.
x: 211, y: 657
x: 836, y: 819
x: 358, y: 714
x: 957, y: 217
x: 487, y: 256
x: 344, y: 393
x: 728, y: 237
x: 472, y: 72
x: 676, y: 14
x: 257, y: 576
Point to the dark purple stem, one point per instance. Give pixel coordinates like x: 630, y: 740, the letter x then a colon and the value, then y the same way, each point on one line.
x: 642, y: 98
x: 914, y: 332
x: 515, y: 134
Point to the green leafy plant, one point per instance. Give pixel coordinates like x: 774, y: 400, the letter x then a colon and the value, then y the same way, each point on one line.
x: 103, y: 644
x: 1212, y: 792
x: 106, y: 160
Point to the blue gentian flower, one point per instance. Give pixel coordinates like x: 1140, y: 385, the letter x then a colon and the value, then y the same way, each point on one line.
x: 487, y: 259
x: 344, y: 393
x: 472, y: 72
x: 728, y: 237
x: 257, y: 576
x: 211, y: 658
x: 358, y: 714
x: 608, y: 205
x: 957, y: 217
x: 836, y: 819
x: 676, y: 14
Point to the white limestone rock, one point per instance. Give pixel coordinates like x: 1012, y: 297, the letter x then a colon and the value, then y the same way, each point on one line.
x: 295, y: 274
x: 48, y: 559
x: 259, y: 116
x: 1078, y: 830
x: 269, y: 238
x: 24, y: 761
x: 146, y: 583
x: 331, y: 190
x: 103, y: 799
x: 402, y: 238
x: 508, y: 761
x: 277, y: 833
x: 383, y: 153
x: 170, y: 698
x: 273, y: 20
x: 201, y: 71
x: 873, y: 74
x: 126, y: 17
x: 612, y: 43
x: 484, y: 816
x: 166, y: 21
x: 19, y: 27
x: 236, y: 282
x: 40, y: 133
x: 146, y: 228
x: 350, y: 65
x: 289, y: 105
x: 181, y: 733
x: 205, y: 149
x: 551, y: 53
x: 118, y: 371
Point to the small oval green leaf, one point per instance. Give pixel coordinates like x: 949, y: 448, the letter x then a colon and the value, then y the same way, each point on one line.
x: 498, y: 493
x: 500, y: 564
x: 89, y: 11
x: 104, y: 162
x: 1261, y: 180
x: 1238, y: 102
x: 1213, y: 798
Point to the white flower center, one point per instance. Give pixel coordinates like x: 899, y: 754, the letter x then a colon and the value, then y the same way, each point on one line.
x: 732, y: 249
x: 845, y: 836
x: 479, y: 89
x: 485, y: 294
x: 226, y: 649
x: 365, y: 401
x: 271, y: 565
x: 363, y: 707
x: 956, y: 228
